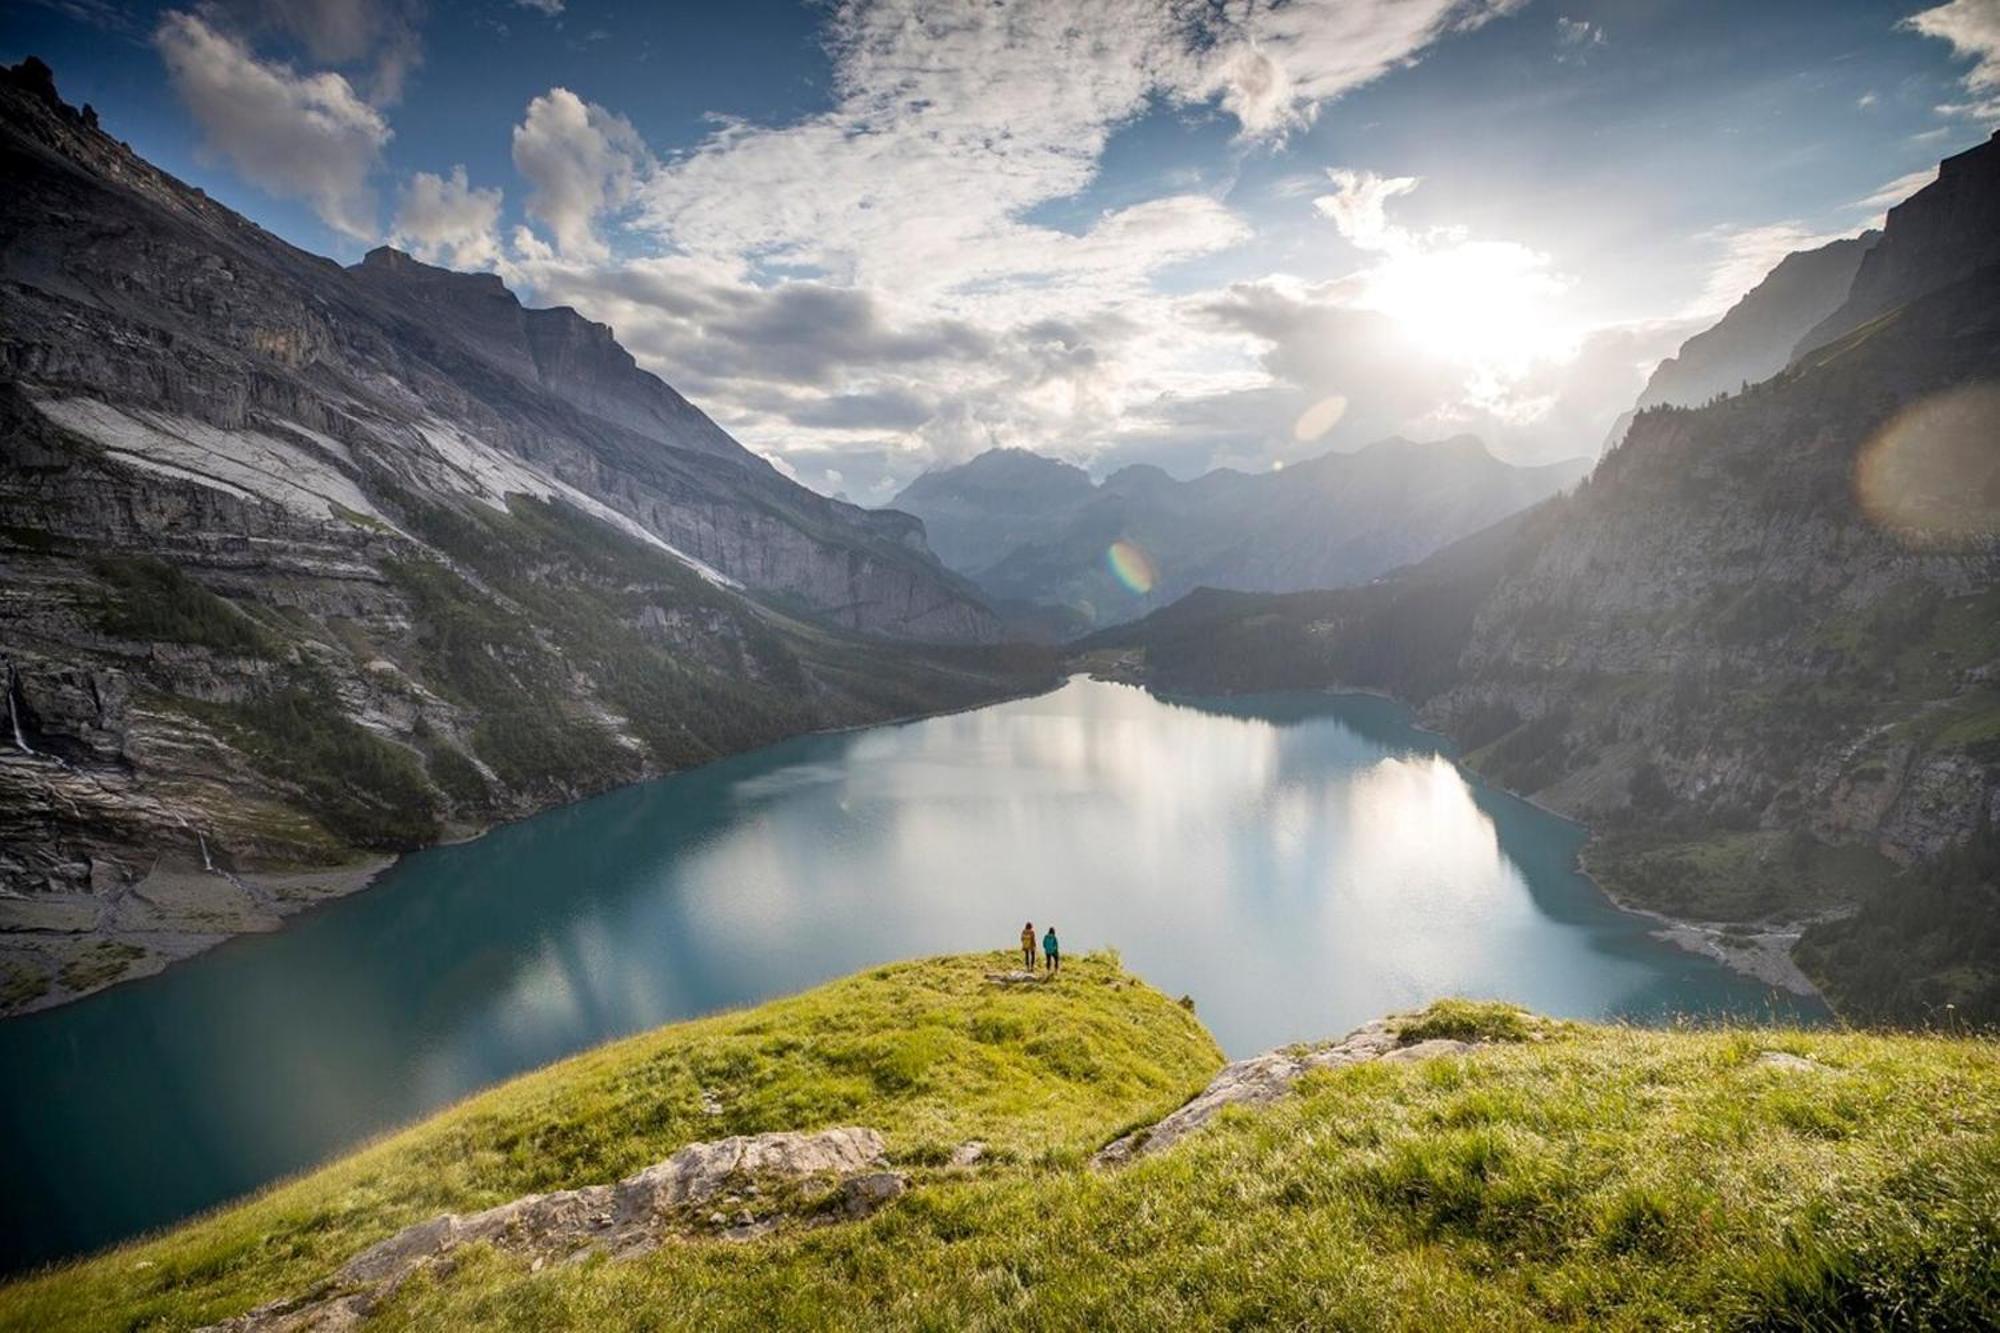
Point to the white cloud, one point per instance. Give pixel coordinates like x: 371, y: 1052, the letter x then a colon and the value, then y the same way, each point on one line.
x: 298, y: 135
x: 550, y: 8
x: 950, y: 125
x: 1359, y: 206
x: 580, y: 161
x: 380, y: 36
x: 443, y: 220
x: 1748, y: 256
x: 1973, y: 29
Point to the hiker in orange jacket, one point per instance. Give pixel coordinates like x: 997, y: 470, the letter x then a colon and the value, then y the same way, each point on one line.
x: 1028, y: 946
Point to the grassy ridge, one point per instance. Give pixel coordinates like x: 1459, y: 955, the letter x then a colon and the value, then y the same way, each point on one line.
x: 925, y: 1052
x: 1562, y: 1175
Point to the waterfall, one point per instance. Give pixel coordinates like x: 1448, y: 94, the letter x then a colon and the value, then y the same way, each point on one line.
x: 13, y: 710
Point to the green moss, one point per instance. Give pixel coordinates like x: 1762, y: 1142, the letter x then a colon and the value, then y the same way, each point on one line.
x: 358, y: 519
x: 457, y: 776
x: 1720, y: 875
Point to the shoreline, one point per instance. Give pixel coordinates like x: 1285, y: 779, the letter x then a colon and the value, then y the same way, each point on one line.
x: 1763, y: 954
x: 80, y: 945
x: 1760, y: 951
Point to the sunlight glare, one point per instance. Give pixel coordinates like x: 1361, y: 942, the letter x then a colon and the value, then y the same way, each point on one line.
x: 1480, y: 303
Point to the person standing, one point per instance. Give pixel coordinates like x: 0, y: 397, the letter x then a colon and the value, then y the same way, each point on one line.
x: 1052, y: 952
x: 1028, y: 946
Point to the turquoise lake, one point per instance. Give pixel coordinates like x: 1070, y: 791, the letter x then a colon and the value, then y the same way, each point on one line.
x: 1297, y: 863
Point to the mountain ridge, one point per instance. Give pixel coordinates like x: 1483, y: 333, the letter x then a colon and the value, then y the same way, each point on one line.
x: 1037, y: 534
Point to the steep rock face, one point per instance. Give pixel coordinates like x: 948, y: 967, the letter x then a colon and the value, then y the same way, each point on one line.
x: 128, y: 288
x: 298, y: 572
x: 1754, y: 339
x: 1336, y: 519
x: 1944, y: 233
x: 554, y: 349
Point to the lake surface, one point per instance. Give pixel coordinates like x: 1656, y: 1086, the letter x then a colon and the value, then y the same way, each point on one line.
x: 1297, y: 863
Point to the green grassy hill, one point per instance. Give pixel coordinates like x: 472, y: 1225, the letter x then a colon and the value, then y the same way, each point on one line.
x: 1558, y: 1174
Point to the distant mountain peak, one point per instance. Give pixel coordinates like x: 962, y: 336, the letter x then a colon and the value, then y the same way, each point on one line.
x: 1034, y: 532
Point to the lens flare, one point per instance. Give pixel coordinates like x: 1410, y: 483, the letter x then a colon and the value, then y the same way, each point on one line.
x: 1932, y: 474
x: 1131, y: 566
x: 1320, y: 418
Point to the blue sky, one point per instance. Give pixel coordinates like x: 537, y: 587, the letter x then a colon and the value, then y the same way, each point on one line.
x: 876, y: 236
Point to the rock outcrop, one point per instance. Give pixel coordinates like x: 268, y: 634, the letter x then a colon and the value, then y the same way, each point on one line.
x: 1267, y: 1078
x: 1945, y: 233
x: 768, y: 1179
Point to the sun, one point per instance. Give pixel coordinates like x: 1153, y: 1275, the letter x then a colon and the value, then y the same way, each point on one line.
x: 1488, y: 304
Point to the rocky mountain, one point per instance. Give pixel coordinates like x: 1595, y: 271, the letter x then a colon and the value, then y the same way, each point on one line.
x: 1946, y: 233
x: 1754, y: 339
x: 1758, y: 650
x: 978, y: 512
x: 1032, y: 531
x: 305, y: 565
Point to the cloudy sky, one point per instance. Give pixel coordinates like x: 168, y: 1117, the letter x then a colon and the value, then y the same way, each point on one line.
x: 874, y: 236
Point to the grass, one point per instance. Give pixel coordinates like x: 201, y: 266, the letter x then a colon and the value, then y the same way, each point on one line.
x: 926, y: 1052
x: 1562, y: 1175
x: 1601, y: 1179
x: 106, y: 960
x: 1470, y: 1020
x: 151, y: 600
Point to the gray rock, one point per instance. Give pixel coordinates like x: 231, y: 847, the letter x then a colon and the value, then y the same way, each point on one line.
x: 1263, y: 1079
x: 624, y: 1219
x: 863, y: 1195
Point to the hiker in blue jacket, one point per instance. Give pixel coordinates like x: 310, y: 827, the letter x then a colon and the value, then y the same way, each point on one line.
x: 1052, y: 952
